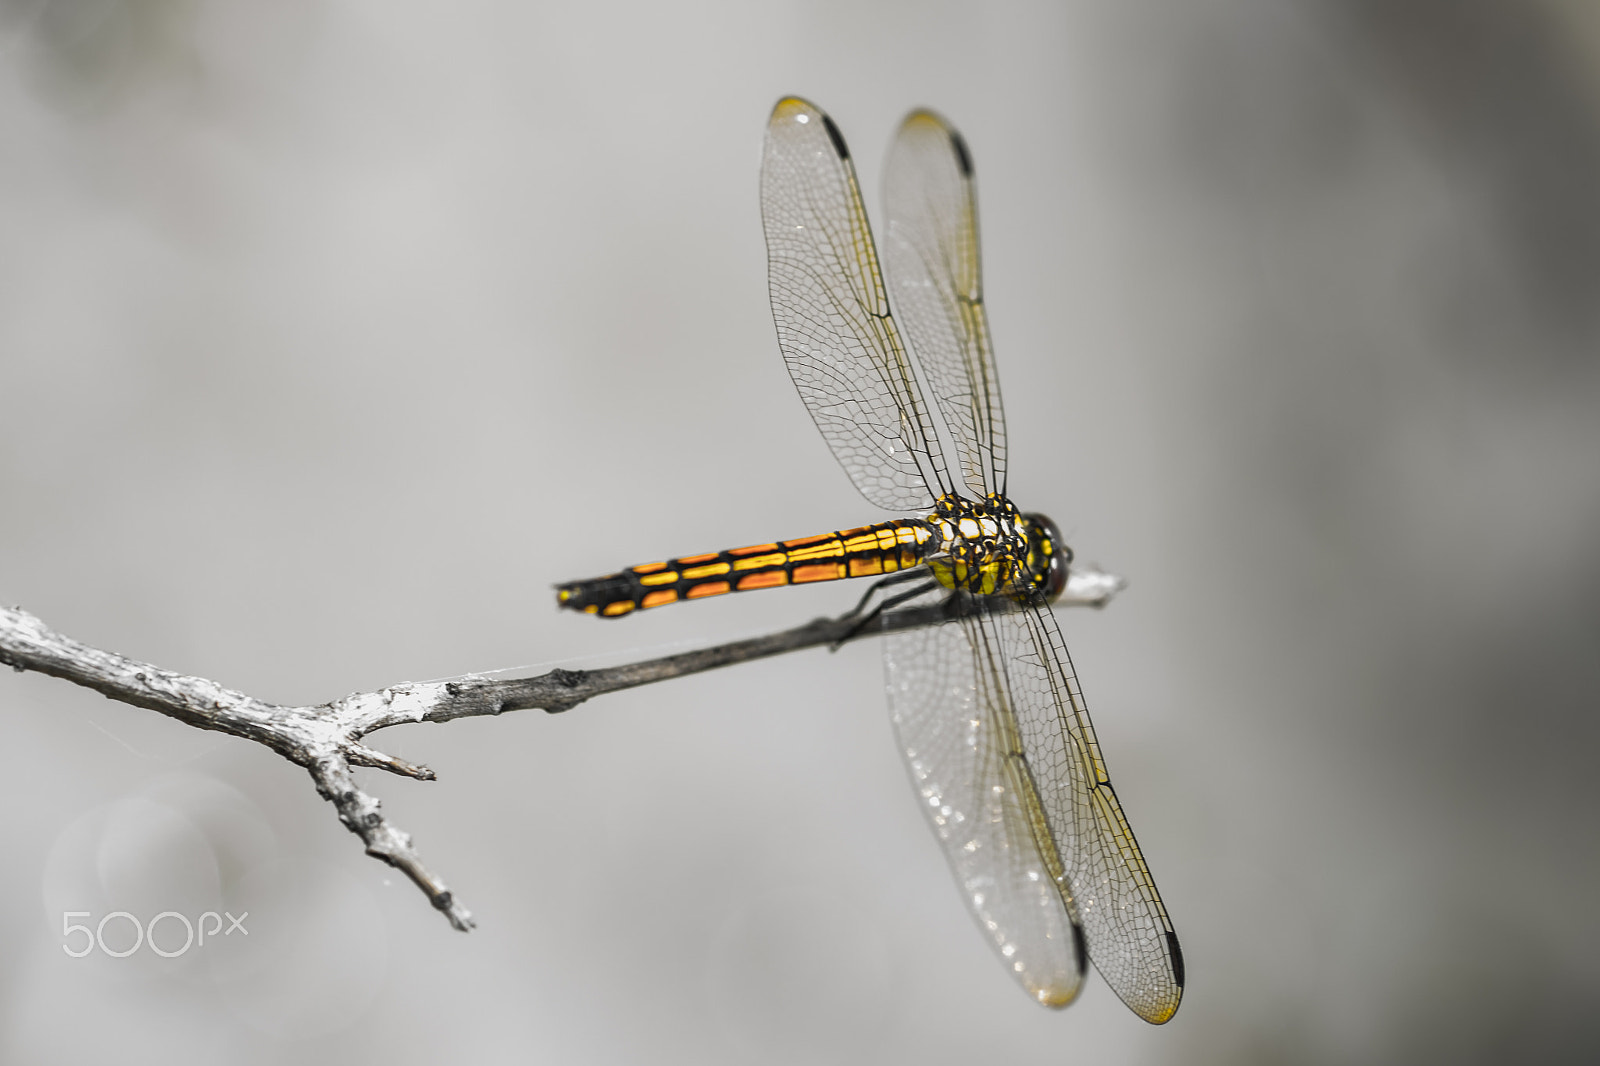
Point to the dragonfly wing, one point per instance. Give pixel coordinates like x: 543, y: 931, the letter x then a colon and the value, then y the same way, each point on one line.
x: 947, y: 705
x: 841, y: 344
x: 1131, y: 939
x: 937, y: 286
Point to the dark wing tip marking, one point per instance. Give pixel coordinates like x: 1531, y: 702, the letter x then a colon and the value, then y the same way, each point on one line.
x: 1080, y: 946
x: 963, y: 157
x: 1177, y: 958
x: 835, y: 136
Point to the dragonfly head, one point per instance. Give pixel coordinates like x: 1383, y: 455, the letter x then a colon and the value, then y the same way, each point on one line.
x: 1049, y: 558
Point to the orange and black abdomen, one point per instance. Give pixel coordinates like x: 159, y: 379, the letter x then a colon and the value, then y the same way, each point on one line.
x: 862, y: 552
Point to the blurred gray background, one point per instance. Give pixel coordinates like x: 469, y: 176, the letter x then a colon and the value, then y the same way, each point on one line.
x: 333, y: 334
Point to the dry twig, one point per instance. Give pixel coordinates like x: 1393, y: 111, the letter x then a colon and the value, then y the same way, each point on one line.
x: 326, y: 739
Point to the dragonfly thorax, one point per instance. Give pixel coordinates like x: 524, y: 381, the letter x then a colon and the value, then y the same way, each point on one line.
x: 989, y: 547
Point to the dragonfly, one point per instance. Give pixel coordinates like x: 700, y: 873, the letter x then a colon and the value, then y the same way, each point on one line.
x: 986, y: 707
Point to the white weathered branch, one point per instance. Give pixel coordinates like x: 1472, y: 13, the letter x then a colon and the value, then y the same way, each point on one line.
x: 326, y: 739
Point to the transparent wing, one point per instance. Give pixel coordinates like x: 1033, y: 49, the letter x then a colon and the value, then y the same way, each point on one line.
x: 838, y: 338
x: 947, y: 702
x: 1131, y: 939
x: 937, y: 286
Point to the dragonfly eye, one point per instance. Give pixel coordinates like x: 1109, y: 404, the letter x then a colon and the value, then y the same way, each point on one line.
x: 1055, y: 581
x: 1046, y: 540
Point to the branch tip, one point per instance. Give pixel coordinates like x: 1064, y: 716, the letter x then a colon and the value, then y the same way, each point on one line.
x: 361, y: 755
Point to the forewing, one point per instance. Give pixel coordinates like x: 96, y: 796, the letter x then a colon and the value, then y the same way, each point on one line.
x: 1131, y: 939
x: 947, y: 706
x: 841, y: 344
x: 937, y: 286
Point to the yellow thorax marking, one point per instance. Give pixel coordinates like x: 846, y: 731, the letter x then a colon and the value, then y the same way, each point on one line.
x: 975, y: 552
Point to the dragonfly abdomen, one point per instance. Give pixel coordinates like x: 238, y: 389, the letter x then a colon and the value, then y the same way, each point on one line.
x: 861, y: 552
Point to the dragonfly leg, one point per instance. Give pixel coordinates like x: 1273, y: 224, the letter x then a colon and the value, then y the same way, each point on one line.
x: 863, y: 620
x: 893, y: 579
